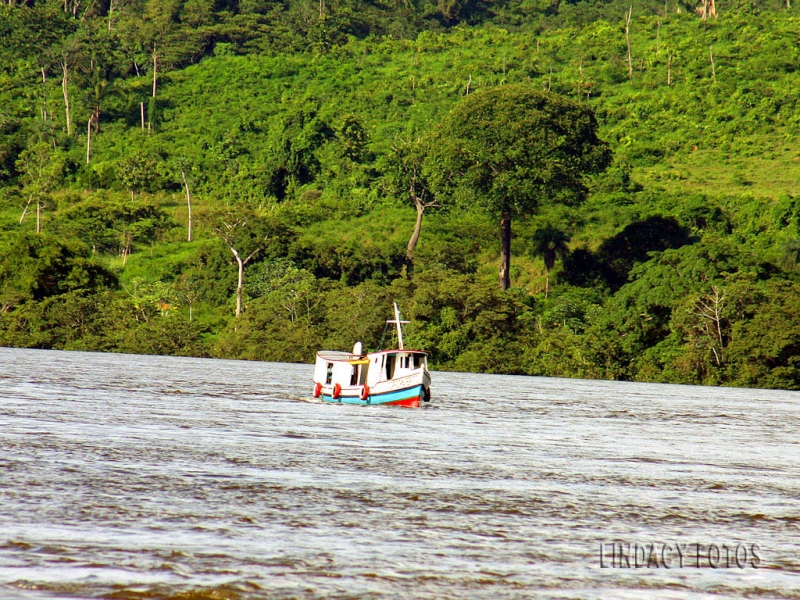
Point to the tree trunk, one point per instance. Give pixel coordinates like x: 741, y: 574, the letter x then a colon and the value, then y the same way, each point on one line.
x: 188, y: 203
x: 711, y: 58
x: 628, y: 42
x: 155, y: 70
x: 546, y: 283
x: 505, y: 251
x: 64, y: 81
x: 127, y: 244
x: 669, y: 70
x: 412, y: 243
x: 227, y: 237
x: 240, y: 282
x: 89, y: 140
x: 142, y: 103
x: 38, y: 215
x: 658, y: 35
x: 25, y: 210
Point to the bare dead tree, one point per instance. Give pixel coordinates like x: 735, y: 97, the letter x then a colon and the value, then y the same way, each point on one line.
x: 711, y: 57
x: 89, y: 139
x: 709, y: 310
x: 155, y: 70
x: 64, y: 81
x: 228, y: 231
x: 628, y: 42
x: 188, y: 202
x: 709, y: 8
x: 658, y: 35
x: 669, y: 69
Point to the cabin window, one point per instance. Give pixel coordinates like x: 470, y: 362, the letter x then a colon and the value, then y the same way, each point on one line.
x: 354, y: 375
x: 329, y: 373
x: 417, y: 361
x: 390, y: 362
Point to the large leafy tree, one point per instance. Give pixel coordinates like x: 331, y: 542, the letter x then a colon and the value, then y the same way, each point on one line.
x: 512, y: 148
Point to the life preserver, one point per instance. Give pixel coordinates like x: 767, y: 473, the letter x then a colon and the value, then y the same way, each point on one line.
x: 317, y: 390
x: 364, y: 391
x: 337, y: 390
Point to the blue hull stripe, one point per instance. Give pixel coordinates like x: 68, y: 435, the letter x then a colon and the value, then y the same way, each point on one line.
x: 392, y: 396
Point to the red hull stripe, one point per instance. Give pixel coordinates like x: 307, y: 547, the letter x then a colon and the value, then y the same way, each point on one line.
x: 410, y: 402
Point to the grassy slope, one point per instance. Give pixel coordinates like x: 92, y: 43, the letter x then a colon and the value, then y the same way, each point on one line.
x: 726, y: 138
x: 733, y: 139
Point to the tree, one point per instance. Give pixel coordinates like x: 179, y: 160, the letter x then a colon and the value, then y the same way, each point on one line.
x: 96, y: 57
x: 549, y: 243
x: 34, y: 267
x: 790, y: 254
x: 137, y: 172
x: 182, y: 172
x: 406, y: 179
x: 245, y: 236
x: 511, y: 148
x: 41, y: 168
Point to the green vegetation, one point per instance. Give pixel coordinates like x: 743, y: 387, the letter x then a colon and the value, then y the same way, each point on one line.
x: 249, y: 180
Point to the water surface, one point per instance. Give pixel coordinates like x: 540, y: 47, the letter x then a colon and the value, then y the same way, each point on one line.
x: 151, y: 477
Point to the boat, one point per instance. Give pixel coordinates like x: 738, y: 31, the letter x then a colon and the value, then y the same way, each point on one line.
x: 399, y: 377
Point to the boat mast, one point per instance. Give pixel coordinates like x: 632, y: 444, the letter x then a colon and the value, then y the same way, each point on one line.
x: 399, y: 323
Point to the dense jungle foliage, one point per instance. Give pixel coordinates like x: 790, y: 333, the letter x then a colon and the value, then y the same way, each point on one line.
x: 151, y: 151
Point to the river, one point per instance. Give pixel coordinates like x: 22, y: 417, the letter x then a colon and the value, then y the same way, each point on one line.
x: 133, y: 477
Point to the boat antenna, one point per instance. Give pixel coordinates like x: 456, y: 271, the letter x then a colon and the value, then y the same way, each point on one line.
x: 399, y: 323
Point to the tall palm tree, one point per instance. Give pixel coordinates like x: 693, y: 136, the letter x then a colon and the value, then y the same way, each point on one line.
x: 551, y: 244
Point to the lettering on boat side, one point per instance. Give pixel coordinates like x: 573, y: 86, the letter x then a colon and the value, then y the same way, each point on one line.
x: 397, y: 384
x: 696, y: 555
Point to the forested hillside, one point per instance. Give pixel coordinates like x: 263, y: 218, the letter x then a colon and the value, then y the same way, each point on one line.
x: 153, y: 151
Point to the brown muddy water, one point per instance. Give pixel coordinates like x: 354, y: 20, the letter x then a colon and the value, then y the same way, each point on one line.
x: 134, y: 477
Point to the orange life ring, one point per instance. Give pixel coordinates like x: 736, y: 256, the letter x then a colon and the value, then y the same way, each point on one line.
x: 337, y: 390
x: 364, y: 391
x: 317, y: 390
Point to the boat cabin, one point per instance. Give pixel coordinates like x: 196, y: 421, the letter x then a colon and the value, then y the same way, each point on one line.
x: 348, y: 369
x: 394, y: 364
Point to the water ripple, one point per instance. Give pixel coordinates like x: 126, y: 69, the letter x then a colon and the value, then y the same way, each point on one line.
x: 132, y: 477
